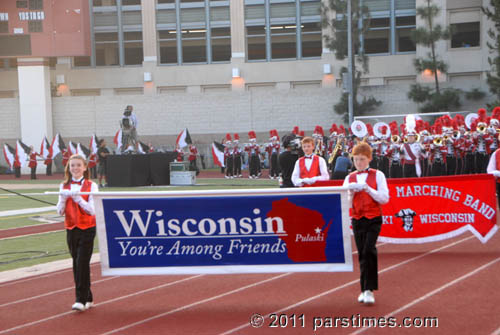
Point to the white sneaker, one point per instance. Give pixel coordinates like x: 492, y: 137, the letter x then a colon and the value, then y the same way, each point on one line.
x: 369, y: 297
x: 89, y: 305
x: 78, y: 306
x: 361, y: 297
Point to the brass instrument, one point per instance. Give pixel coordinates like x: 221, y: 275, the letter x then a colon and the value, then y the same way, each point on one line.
x: 318, y: 150
x: 481, y: 127
x: 405, y: 140
x: 395, y: 138
x: 334, y: 152
x: 438, y: 141
x: 456, y: 135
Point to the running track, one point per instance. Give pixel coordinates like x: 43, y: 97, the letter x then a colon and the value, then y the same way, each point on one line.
x: 454, y: 280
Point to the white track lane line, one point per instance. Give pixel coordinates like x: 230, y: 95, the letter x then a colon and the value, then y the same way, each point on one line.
x: 36, y: 277
x: 51, y: 292
x: 433, y: 292
x: 197, y: 303
x: 24, y: 325
x: 231, y: 331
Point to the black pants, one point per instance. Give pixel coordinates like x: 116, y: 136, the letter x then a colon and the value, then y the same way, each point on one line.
x: 470, y: 164
x: 396, y: 171
x: 81, y: 244
x: 366, y: 232
x: 93, y: 172
x: 49, y: 169
x: 33, y: 173
x: 383, y: 165
x: 237, y: 165
x: 409, y: 171
x: 17, y: 171
x: 438, y: 169
x: 481, y: 162
x: 193, y: 166
x: 229, y: 166
x: 254, y: 165
x: 451, y: 165
x: 274, y: 169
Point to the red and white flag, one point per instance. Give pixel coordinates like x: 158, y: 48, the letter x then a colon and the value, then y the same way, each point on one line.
x: 45, y: 148
x: 183, y: 139
x: 9, y: 153
x: 22, y: 153
x: 118, y: 140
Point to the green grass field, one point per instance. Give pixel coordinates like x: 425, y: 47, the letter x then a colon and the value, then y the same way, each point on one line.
x: 31, y: 250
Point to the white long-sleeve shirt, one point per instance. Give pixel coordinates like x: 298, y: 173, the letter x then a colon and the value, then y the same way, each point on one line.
x: 297, y: 181
x: 492, y: 165
x: 380, y: 195
x: 87, y: 206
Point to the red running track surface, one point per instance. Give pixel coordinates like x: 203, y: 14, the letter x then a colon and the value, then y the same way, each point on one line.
x: 453, y: 280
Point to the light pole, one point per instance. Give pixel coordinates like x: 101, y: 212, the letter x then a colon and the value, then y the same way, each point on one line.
x: 350, y: 63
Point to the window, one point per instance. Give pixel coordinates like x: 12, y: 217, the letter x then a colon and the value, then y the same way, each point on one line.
x: 311, y: 40
x: 132, y: 42
x: 221, y: 44
x: 106, y: 49
x: 283, y: 41
x: 35, y: 4
x: 4, y: 26
x: 22, y: 4
x: 293, y: 30
x: 404, y: 27
x: 256, y: 43
x: 81, y: 61
x: 376, y: 39
x: 35, y: 26
x: 201, y: 35
x: 465, y: 35
x: 101, y: 3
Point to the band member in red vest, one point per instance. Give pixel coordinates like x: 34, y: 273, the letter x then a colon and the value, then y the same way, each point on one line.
x: 180, y: 154
x: 32, y: 163
x: 193, y: 152
x: 368, y: 191
x: 80, y: 225
x: 309, y: 168
x: 494, y: 169
x: 93, y: 165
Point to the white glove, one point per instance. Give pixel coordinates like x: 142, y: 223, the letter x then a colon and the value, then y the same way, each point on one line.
x: 77, y: 198
x: 65, y: 194
x: 356, y: 187
x: 300, y: 182
x: 496, y: 173
x: 308, y: 181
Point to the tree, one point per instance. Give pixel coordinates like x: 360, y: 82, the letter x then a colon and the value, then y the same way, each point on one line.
x: 493, y: 77
x: 337, y: 42
x: 427, y: 36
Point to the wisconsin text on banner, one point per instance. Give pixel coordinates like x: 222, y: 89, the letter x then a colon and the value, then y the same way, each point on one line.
x: 240, y: 231
x: 435, y: 208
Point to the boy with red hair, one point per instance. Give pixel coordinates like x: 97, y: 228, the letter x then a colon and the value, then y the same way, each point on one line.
x: 368, y: 191
x: 309, y: 168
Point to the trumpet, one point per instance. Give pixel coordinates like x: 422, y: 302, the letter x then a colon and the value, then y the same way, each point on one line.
x: 438, y: 141
x: 481, y: 127
x: 395, y: 138
x: 456, y: 135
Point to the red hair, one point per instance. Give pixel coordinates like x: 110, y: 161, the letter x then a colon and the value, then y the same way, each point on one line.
x: 362, y: 148
x: 307, y: 139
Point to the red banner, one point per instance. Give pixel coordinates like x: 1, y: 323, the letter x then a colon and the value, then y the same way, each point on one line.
x: 430, y: 209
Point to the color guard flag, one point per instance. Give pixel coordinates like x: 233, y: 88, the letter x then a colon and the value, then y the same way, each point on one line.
x: 9, y: 154
x: 22, y: 153
x: 82, y: 151
x: 71, y: 148
x: 118, y: 140
x: 94, y: 143
x: 57, y: 146
x: 183, y: 139
x: 142, y: 148
x: 218, y: 154
x: 45, y: 148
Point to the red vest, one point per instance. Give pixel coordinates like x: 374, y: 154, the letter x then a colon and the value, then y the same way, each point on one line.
x: 363, y: 204
x: 75, y: 216
x: 32, y: 163
x: 313, y: 171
